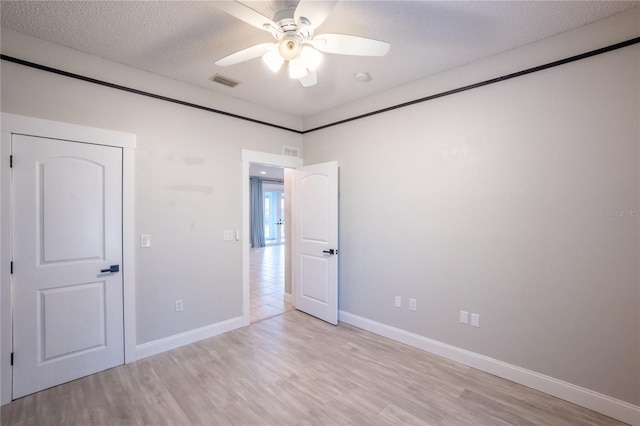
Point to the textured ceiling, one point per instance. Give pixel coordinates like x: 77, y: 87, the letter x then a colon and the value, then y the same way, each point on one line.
x: 182, y: 39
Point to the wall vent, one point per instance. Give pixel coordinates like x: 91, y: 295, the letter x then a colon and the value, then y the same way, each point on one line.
x: 290, y: 151
x: 224, y: 80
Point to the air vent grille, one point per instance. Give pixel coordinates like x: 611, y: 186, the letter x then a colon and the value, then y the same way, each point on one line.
x: 224, y: 80
x: 290, y: 151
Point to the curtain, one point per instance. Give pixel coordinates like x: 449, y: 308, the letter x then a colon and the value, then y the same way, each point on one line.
x: 257, y: 213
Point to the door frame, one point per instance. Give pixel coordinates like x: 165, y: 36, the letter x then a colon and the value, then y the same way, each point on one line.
x: 267, y: 159
x: 18, y: 124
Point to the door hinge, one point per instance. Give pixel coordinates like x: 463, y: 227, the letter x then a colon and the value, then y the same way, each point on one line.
x: 11, y: 358
x: 12, y: 266
x: 11, y: 161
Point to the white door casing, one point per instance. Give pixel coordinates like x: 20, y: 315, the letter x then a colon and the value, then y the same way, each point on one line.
x: 13, y: 124
x: 67, y: 222
x: 315, y: 240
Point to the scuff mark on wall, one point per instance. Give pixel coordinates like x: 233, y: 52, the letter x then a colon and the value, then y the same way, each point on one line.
x: 185, y: 187
x: 193, y: 161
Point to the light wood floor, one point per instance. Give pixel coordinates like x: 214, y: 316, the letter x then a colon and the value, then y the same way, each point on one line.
x: 294, y: 369
x: 266, y: 280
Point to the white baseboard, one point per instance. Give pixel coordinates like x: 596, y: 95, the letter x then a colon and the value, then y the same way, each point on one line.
x: 288, y: 298
x: 619, y: 410
x: 166, y: 344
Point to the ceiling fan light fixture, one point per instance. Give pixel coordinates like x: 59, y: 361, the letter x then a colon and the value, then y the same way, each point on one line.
x: 273, y: 60
x: 311, y: 58
x: 289, y: 48
x: 293, y: 26
x: 297, y: 69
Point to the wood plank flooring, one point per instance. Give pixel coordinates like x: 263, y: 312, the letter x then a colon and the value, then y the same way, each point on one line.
x: 294, y: 369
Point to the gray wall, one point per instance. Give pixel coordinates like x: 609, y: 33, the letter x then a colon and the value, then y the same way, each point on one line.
x: 499, y: 201
x: 188, y: 185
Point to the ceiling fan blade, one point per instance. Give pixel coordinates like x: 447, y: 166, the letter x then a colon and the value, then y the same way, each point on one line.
x: 245, y: 54
x: 315, y: 11
x: 246, y: 14
x: 349, y: 45
x: 310, y: 79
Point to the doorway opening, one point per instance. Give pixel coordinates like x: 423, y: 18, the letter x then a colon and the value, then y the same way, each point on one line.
x: 315, y: 189
x: 273, y: 209
x: 273, y: 160
x: 267, y: 262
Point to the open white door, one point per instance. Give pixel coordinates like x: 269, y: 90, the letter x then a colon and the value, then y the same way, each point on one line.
x: 315, y: 240
x: 67, y: 245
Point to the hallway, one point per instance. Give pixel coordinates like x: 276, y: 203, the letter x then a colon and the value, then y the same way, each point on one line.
x: 266, y: 278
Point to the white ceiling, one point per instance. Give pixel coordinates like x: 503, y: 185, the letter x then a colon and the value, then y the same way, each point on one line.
x: 182, y: 39
x: 266, y: 172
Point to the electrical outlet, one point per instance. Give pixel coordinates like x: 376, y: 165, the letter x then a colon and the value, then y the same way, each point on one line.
x: 464, y: 317
x: 179, y: 305
x: 398, y: 302
x: 412, y: 304
x: 475, y: 320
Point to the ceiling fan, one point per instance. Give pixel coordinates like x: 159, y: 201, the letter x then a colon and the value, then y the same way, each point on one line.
x: 293, y: 27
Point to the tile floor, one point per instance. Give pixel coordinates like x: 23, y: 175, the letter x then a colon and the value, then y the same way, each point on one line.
x: 266, y: 278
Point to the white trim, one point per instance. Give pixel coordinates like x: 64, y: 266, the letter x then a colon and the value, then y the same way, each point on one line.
x: 288, y: 298
x: 267, y: 159
x: 615, y: 408
x: 5, y: 275
x: 18, y: 124
x: 177, y: 340
x: 129, y: 253
x: 24, y: 125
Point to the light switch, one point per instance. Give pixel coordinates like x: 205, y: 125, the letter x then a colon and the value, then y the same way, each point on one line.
x: 464, y: 317
x: 413, y: 304
x: 228, y: 235
x: 145, y: 240
x: 475, y: 320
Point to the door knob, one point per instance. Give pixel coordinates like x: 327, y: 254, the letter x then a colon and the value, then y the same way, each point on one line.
x: 112, y: 269
x: 330, y: 251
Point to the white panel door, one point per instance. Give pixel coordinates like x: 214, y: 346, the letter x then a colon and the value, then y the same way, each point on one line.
x: 315, y: 249
x: 67, y: 232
